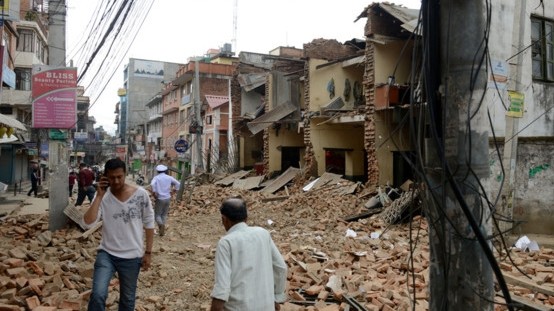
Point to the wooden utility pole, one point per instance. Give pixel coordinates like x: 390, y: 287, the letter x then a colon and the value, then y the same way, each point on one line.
x: 462, y: 262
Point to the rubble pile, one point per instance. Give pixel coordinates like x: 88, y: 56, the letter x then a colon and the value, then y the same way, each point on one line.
x: 334, y: 263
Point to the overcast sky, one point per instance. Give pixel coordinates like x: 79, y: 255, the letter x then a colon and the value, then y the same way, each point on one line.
x: 175, y: 30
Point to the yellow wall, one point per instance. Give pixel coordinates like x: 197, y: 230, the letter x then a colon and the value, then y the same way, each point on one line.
x: 339, y: 136
x: 286, y: 138
x: 386, y: 58
x: 247, y: 145
x: 386, y: 122
x: 319, y: 78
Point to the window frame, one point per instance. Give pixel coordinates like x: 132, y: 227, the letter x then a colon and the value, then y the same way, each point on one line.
x: 542, y: 48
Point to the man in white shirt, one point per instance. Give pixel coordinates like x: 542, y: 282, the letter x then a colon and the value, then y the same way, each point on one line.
x: 126, y: 212
x: 162, y: 186
x: 250, y: 273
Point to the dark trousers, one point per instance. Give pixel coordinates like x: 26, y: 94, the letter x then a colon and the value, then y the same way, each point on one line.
x: 71, y: 191
x: 86, y: 192
x: 34, y: 188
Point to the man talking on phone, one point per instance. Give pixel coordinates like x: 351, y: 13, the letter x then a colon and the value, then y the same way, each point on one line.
x: 127, y: 213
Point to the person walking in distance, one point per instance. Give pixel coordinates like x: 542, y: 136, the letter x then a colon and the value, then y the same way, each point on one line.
x: 34, y: 183
x: 128, y: 216
x: 72, y: 181
x: 163, y: 185
x: 85, y: 182
x: 250, y: 273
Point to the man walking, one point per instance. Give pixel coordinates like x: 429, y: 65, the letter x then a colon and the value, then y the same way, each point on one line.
x: 125, y: 210
x: 85, y: 184
x: 250, y: 273
x: 34, y: 183
x: 162, y: 186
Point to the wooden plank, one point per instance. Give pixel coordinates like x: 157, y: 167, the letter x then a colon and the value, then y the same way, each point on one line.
x: 524, y: 282
x: 282, y: 180
x: 91, y: 230
x: 228, y: 180
x: 525, y: 304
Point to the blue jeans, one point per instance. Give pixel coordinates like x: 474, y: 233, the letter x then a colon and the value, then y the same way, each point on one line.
x: 104, y: 268
x: 89, y: 192
x: 161, y: 209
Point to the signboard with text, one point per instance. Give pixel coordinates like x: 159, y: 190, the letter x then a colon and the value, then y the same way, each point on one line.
x: 54, y: 97
x: 181, y: 146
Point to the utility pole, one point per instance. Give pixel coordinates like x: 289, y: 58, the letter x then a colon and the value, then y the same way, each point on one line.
x: 58, y: 158
x: 509, y: 158
x: 462, y: 262
x: 198, y: 115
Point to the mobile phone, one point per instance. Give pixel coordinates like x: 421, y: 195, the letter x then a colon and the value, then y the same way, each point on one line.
x: 105, y: 179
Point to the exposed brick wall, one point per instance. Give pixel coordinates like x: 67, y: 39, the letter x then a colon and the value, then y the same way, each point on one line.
x: 266, y: 131
x: 369, y: 126
x: 309, y: 156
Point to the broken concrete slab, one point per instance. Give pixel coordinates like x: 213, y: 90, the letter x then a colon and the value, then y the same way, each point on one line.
x: 282, y: 180
x: 228, y: 180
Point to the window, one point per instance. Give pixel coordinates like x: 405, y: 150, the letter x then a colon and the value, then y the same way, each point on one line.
x: 542, y: 49
x: 23, y: 79
x: 209, y: 119
x: 25, y: 41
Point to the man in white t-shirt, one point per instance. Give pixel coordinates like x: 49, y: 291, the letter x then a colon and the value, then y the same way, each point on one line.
x: 127, y: 215
x: 250, y: 273
x: 162, y: 186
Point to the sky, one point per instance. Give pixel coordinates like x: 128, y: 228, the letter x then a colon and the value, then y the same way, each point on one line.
x: 175, y: 30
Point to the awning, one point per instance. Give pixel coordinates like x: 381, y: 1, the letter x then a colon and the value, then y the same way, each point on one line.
x: 270, y: 117
x: 11, y: 122
x: 215, y: 101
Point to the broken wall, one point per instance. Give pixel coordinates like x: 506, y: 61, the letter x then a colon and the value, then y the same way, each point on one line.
x: 534, y: 185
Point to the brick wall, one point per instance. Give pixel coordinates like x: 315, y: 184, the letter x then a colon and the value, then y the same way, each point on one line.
x: 328, y: 49
x: 369, y: 126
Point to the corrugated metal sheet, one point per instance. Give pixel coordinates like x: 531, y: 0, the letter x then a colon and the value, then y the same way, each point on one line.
x: 248, y: 183
x: 336, y: 104
x: 251, y: 81
x: 270, y: 117
x: 282, y: 180
x: 215, y: 101
x: 325, y: 179
x: 228, y: 180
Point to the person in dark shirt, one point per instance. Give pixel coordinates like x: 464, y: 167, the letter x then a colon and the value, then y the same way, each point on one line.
x: 85, y: 183
x: 34, y: 183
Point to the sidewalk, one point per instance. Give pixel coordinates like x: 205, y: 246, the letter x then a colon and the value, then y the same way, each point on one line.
x: 21, y: 204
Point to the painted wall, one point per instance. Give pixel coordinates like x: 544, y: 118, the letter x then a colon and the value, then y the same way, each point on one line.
x: 534, y: 182
x: 319, y: 78
x: 506, y: 44
x: 250, y: 146
x: 388, y: 139
x: 339, y: 136
x: 387, y: 57
x: 285, y: 137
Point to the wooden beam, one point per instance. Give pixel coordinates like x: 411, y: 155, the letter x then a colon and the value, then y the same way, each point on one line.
x: 520, y: 281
